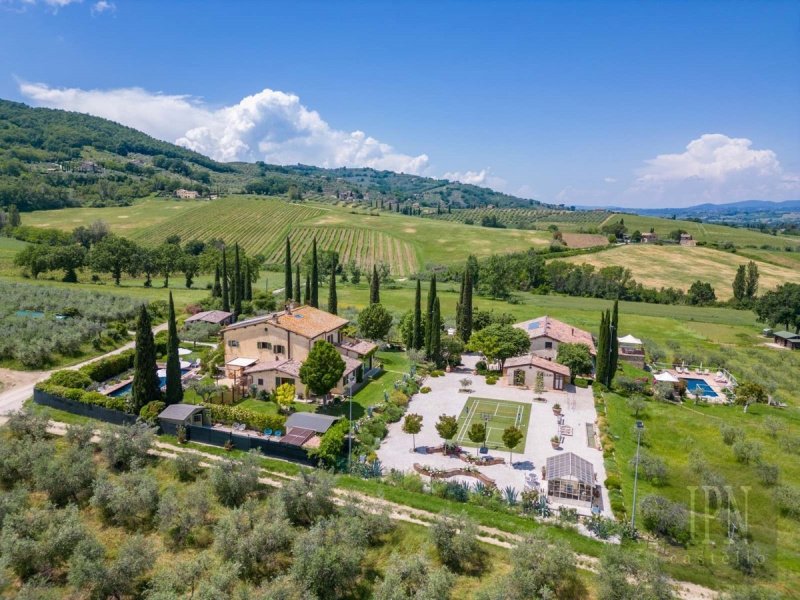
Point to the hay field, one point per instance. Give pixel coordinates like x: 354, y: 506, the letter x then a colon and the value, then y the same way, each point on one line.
x: 679, y: 266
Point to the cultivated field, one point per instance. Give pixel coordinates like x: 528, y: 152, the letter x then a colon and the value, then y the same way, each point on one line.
x: 679, y: 266
x: 260, y: 225
x: 497, y: 415
x: 528, y: 218
x: 705, y: 232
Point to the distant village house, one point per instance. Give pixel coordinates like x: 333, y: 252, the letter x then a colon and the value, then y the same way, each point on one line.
x: 186, y: 194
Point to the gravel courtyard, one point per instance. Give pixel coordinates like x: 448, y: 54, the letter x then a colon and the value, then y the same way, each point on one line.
x: 444, y: 398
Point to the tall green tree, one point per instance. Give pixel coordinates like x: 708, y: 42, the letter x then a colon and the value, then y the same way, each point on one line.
x: 307, y: 295
x: 601, y: 367
x: 740, y: 283
x: 216, y: 291
x: 248, y: 282
x: 14, y: 220
x: 751, y: 289
x: 577, y: 357
x: 314, y: 275
x: 296, y: 294
x: 374, y: 287
x: 429, y: 317
x: 333, y: 301
x: 226, y: 299
x: 322, y: 368
x: 374, y: 322
x: 466, y: 306
x: 114, y: 254
x: 174, y: 393
x: 146, y: 384
x: 458, y: 306
x: 613, y: 342
x: 237, y: 282
x: 287, y: 272
x: 417, y: 333
x: 436, y: 334
x: 498, y: 342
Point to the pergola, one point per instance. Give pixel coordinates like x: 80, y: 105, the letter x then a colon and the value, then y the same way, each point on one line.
x: 570, y: 476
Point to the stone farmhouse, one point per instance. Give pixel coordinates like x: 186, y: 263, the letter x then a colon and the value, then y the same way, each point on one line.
x: 522, y: 371
x: 268, y: 350
x: 546, y: 333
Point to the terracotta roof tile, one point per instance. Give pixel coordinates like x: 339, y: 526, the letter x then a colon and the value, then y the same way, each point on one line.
x: 557, y: 330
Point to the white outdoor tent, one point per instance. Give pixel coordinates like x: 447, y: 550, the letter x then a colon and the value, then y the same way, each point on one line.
x: 666, y: 377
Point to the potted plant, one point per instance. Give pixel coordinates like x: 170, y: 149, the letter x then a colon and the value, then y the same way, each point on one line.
x: 555, y: 441
x: 556, y: 409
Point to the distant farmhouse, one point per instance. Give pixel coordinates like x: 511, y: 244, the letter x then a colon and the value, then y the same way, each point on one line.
x: 268, y: 351
x: 687, y: 240
x: 186, y: 194
x: 213, y: 317
x: 649, y: 238
x: 787, y: 339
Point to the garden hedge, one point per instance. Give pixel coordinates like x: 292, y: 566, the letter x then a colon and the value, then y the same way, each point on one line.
x: 106, y: 368
x: 254, y: 420
x: 79, y: 395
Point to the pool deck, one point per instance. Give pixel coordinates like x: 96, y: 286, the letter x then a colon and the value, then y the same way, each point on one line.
x: 710, y: 379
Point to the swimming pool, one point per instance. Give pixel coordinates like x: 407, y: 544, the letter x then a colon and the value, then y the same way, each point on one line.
x: 126, y: 389
x: 705, y: 390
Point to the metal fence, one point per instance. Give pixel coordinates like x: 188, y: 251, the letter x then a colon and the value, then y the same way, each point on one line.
x: 86, y: 410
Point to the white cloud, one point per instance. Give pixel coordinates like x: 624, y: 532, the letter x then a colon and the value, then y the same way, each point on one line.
x: 610, y: 180
x: 23, y: 4
x: 714, y: 157
x: 472, y: 177
x: 271, y: 125
x: 103, y: 6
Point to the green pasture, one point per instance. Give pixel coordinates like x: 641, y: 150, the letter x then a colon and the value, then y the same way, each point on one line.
x: 498, y: 415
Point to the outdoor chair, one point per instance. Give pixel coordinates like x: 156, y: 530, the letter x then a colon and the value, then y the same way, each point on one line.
x: 278, y: 433
x: 268, y: 432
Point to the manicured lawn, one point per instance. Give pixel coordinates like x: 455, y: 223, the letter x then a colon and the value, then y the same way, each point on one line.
x: 672, y: 433
x: 259, y: 406
x: 501, y: 414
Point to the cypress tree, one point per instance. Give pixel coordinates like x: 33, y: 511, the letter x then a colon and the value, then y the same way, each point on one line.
x: 613, y: 343
x: 751, y: 289
x: 307, y: 296
x: 296, y: 295
x: 216, y: 291
x: 226, y: 302
x: 740, y: 283
x: 436, y: 334
x: 416, y: 343
x: 237, y: 283
x: 174, y: 393
x: 314, y: 275
x: 248, y: 284
x: 601, y: 365
x: 429, y: 318
x: 146, y: 384
x: 459, y: 308
x: 374, y: 287
x: 287, y: 272
x: 466, y: 307
x: 333, y: 301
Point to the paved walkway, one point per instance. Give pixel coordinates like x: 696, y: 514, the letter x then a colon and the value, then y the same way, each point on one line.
x: 22, y: 382
x: 444, y: 398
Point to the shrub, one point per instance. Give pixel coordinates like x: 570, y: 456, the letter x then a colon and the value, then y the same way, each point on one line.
x: 399, y: 398
x: 787, y: 500
x: 666, y: 518
x: 392, y: 413
x: 129, y: 501
x: 602, y: 527
x: 106, y: 368
x: 25, y: 425
x: 413, y: 577
x: 182, y: 518
x: 628, y: 385
x: 233, y: 414
x: 730, y: 434
x: 651, y: 468
x: 234, y: 480
x: 308, y: 498
x: 613, y: 482
x: 70, y: 379
x: 425, y: 389
x: 745, y: 556
x: 151, y: 410
x: 65, y: 476
x: 768, y: 473
x: 581, y: 382
x: 491, y: 379
x: 747, y: 451
x: 126, y: 447
x: 456, y: 541
x: 187, y: 466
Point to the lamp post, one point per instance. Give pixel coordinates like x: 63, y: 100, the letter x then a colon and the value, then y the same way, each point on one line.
x: 639, y: 429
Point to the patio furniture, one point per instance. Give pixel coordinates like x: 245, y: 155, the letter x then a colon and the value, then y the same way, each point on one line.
x: 268, y: 432
x: 278, y: 433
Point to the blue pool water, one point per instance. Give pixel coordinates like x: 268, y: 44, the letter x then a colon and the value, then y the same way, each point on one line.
x: 705, y: 389
x: 126, y: 389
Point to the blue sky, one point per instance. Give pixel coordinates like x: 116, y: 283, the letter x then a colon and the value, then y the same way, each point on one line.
x: 620, y: 103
